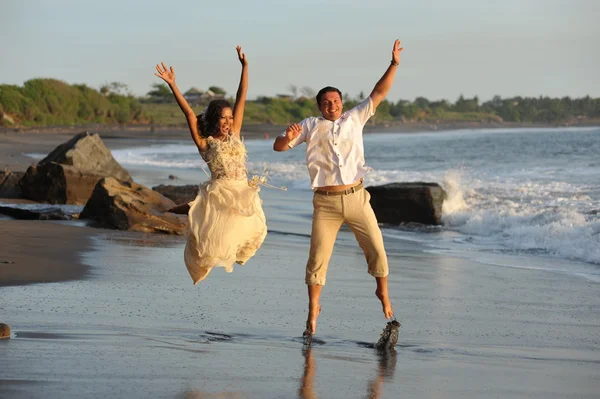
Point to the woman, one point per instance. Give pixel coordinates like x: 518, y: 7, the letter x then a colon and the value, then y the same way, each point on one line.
x: 227, y: 223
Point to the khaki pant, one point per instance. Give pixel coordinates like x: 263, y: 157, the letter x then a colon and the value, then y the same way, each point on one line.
x: 330, y: 212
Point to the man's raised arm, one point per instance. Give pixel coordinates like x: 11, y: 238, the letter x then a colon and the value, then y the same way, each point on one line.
x: 385, y: 83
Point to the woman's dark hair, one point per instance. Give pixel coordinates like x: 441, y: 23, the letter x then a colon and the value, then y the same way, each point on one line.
x: 208, y: 121
x: 327, y: 89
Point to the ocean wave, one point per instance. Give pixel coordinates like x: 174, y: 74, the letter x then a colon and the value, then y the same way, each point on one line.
x: 555, y: 217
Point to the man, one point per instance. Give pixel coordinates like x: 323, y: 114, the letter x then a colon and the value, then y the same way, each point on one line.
x: 336, y: 164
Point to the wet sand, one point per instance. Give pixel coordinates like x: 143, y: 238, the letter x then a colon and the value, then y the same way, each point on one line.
x: 121, y: 318
x: 135, y: 326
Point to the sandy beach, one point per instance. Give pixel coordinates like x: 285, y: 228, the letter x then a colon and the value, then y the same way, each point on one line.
x: 100, y: 313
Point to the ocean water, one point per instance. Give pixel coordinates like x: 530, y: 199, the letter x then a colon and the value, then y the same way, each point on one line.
x: 526, y: 198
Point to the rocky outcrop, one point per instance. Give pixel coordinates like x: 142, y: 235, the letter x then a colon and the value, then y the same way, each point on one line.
x: 130, y: 206
x: 87, y: 153
x: 57, y: 184
x: 178, y: 194
x: 397, y: 203
x: 70, y: 172
x: 9, y: 184
x: 35, y: 214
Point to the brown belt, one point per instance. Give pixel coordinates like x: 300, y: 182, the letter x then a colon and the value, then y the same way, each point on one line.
x: 347, y: 191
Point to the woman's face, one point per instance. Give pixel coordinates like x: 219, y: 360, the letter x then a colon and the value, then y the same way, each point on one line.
x: 225, y: 121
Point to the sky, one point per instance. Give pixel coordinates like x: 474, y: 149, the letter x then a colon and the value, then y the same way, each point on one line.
x: 451, y: 48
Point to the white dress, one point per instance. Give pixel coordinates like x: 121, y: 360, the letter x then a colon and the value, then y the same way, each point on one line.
x: 227, y: 222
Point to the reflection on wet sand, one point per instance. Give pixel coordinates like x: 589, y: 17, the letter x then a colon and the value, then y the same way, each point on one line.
x: 385, y: 369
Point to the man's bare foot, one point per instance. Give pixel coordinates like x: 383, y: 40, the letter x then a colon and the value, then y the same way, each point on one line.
x: 385, y: 303
x: 311, y: 321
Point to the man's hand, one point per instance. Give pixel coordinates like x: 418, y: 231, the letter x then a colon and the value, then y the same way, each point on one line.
x: 396, y: 52
x: 293, y: 131
x: 168, y: 75
x: 241, y: 56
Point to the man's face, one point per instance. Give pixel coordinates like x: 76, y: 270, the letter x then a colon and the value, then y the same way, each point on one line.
x: 331, y: 106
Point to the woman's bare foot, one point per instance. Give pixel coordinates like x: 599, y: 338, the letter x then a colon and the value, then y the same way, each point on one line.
x: 181, y: 209
x: 311, y: 321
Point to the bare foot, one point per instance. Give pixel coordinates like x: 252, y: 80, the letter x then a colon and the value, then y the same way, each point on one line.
x: 311, y: 322
x: 181, y: 209
x: 385, y: 303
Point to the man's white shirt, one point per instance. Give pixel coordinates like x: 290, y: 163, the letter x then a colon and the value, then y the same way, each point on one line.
x: 335, y: 152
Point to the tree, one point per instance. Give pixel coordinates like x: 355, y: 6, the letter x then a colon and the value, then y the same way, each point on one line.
x: 217, y: 90
x: 118, y: 88
x: 294, y: 90
x: 160, y: 92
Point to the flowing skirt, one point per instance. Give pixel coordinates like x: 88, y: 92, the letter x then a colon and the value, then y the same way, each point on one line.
x: 227, y: 226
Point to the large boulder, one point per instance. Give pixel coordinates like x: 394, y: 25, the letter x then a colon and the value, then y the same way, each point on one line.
x: 418, y: 202
x: 70, y: 172
x: 57, y: 184
x: 88, y: 154
x: 130, y: 206
x: 9, y: 184
x: 178, y: 194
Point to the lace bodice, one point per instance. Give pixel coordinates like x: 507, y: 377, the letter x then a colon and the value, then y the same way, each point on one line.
x: 226, y: 159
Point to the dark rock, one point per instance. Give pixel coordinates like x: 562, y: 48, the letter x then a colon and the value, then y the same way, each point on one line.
x: 178, y: 194
x: 4, y: 331
x: 130, y: 206
x: 173, y: 177
x: 57, y: 184
x: 418, y: 202
x: 70, y: 172
x: 88, y: 154
x: 35, y: 214
x: 9, y: 184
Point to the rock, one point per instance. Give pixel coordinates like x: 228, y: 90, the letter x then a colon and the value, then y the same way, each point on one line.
x: 35, y: 214
x: 68, y: 175
x: 418, y: 202
x: 4, y: 331
x: 130, y: 206
x: 173, y: 177
x: 57, y: 184
x: 88, y: 154
x: 178, y: 194
x: 9, y: 184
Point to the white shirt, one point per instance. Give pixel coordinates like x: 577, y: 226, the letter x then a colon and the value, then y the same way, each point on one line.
x: 335, y: 152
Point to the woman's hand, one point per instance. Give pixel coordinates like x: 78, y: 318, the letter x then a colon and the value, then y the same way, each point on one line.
x: 168, y: 75
x: 241, y: 56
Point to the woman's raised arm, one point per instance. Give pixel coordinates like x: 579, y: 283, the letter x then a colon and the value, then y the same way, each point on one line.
x: 168, y: 75
x: 240, y: 97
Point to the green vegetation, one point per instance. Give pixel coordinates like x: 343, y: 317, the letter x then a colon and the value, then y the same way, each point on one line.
x: 49, y: 102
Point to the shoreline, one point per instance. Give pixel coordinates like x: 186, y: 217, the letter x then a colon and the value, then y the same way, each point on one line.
x: 258, y: 130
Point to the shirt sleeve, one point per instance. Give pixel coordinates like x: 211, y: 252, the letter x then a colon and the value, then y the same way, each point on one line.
x: 302, y: 137
x: 364, y: 111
